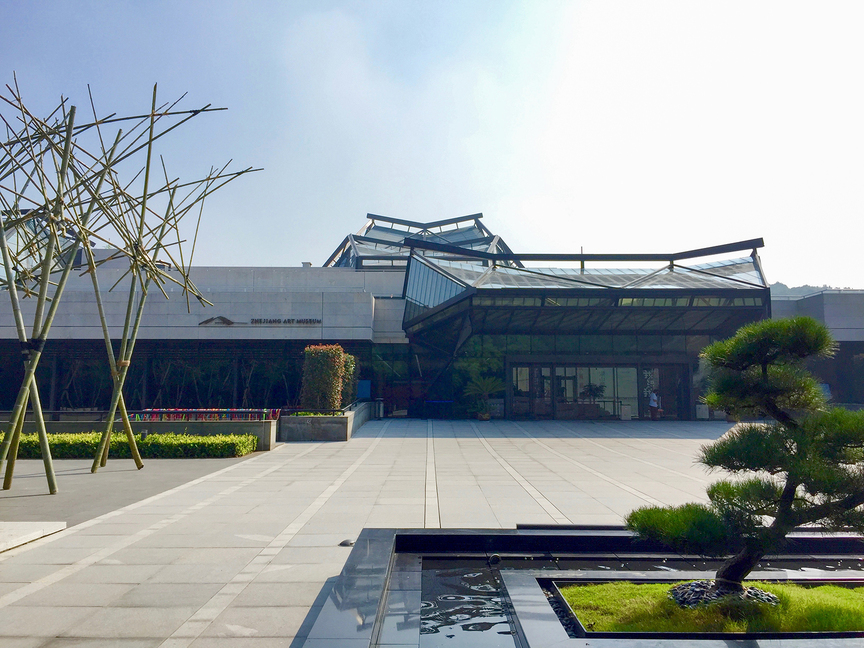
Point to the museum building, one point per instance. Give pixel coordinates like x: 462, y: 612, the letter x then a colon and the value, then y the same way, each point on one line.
x: 427, y: 308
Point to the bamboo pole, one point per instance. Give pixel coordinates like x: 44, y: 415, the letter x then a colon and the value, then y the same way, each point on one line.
x: 41, y: 234
x: 40, y: 329
x: 127, y: 346
x: 136, y: 455
x: 119, y: 377
x: 16, y: 426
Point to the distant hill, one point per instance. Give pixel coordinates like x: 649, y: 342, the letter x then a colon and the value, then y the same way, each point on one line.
x: 780, y: 289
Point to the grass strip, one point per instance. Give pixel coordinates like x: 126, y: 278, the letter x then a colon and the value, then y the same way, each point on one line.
x: 645, y: 607
x: 83, y: 445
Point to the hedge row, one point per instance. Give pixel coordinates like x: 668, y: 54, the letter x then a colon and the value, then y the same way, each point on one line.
x: 155, y: 446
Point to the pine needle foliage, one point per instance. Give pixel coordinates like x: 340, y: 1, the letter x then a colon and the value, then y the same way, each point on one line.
x: 804, y: 467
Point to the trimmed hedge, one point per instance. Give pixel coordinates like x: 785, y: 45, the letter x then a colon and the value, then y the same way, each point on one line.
x: 156, y: 446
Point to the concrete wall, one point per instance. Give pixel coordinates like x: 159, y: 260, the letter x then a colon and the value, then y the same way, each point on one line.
x: 248, y: 303
x: 842, y: 311
x: 387, y: 321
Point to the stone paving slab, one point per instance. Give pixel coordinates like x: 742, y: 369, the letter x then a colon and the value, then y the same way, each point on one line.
x: 242, y: 552
x: 14, y: 534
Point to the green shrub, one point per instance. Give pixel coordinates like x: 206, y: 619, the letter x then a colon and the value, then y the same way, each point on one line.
x: 806, y: 467
x: 349, y: 380
x: 155, y: 446
x: 328, y: 377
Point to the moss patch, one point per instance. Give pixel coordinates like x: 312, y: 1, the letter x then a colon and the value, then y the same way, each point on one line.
x: 631, y: 607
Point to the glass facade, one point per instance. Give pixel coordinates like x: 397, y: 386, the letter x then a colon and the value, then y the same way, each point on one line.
x: 565, y: 342
x: 426, y: 288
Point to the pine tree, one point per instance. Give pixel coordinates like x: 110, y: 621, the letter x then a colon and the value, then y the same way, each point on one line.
x: 804, y: 467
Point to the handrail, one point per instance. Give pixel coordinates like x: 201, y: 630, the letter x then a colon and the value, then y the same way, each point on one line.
x: 158, y: 414
x: 335, y: 412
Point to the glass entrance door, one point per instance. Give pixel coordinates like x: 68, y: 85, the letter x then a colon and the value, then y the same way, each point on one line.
x: 569, y: 391
x: 532, y: 392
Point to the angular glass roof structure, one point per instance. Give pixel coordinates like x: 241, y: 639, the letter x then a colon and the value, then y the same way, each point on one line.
x: 449, y: 298
x: 387, y: 242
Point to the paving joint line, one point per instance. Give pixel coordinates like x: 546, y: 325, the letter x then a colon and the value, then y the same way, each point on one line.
x: 195, y: 625
x: 651, y: 441
x: 588, y: 469
x: 105, y: 552
x: 538, y: 497
x: 125, y: 509
x: 624, y: 454
x: 432, y: 510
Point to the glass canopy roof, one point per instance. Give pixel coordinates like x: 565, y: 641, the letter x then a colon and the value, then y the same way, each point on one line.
x: 495, y: 293
x: 735, y: 273
x: 387, y: 242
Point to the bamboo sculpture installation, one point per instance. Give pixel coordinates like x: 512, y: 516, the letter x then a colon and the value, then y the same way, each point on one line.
x: 60, y: 195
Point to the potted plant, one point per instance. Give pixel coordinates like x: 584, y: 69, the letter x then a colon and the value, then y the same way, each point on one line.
x: 590, y: 393
x: 482, y: 388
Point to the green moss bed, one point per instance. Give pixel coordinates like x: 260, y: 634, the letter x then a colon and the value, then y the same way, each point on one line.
x: 155, y: 446
x: 632, y: 607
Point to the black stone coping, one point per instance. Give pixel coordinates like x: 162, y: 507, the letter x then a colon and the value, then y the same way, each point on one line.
x: 375, y: 601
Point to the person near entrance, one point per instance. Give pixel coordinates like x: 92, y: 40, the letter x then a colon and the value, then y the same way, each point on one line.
x: 654, y: 405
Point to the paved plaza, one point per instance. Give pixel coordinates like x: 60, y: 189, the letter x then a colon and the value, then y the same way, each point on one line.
x: 212, y: 553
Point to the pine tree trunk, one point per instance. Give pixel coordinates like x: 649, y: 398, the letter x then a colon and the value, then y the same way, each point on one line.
x: 733, y: 572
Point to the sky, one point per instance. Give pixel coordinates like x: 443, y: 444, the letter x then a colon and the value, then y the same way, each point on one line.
x: 600, y: 126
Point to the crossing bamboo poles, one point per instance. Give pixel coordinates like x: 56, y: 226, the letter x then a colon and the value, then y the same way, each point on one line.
x: 40, y: 335
x: 53, y: 199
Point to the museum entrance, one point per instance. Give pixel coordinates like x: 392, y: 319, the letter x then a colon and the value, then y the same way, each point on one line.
x: 567, y: 391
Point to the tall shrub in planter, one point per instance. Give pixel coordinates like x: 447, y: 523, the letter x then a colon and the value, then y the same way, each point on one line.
x: 323, y: 375
x: 328, y: 377
x: 804, y: 467
x: 349, y: 380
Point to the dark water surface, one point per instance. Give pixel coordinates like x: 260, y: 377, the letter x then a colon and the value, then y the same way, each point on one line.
x: 462, y: 606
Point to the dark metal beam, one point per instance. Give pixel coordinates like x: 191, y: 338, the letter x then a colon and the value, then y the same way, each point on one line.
x: 407, y: 223
x: 751, y: 245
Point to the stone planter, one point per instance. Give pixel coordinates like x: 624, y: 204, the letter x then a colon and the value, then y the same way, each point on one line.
x: 383, y: 584
x: 324, y: 428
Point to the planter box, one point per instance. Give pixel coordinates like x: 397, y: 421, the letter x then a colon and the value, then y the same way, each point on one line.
x: 324, y: 428
x: 382, y: 584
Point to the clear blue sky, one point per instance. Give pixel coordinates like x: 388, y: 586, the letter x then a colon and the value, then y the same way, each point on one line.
x: 611, y: 126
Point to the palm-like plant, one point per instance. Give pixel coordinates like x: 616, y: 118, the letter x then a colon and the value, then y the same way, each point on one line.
x: 592, y: 392
x: 482, y: 388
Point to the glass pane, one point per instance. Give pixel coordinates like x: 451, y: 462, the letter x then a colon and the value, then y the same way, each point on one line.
x: 649, y: 344
x: 568, y: 344
x: 543, y: 392
x: 602, y: 379
x: 624, y: 344
x: 518, y: 344
x: 596, y: 344
x: 627, y: 388
x: 521, y: 391
x: 542, y: 344
x: 565, y: 393
x: 673, y: 344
